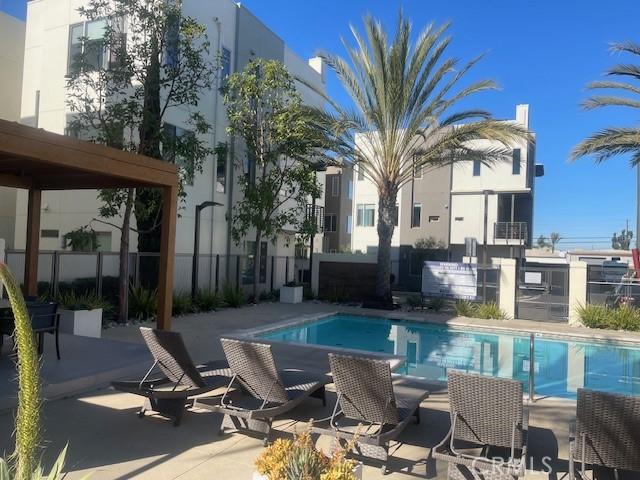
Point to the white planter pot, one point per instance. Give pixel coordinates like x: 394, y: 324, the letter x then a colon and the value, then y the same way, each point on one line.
x: 85, y: 323
x: 357, y: 472
x: 291, y: 294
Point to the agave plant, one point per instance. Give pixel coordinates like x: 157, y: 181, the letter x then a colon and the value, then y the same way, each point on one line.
x: 23, y: 464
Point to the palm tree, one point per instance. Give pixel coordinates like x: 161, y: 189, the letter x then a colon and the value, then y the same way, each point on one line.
x: 614, y: 141
x: 403, y: 95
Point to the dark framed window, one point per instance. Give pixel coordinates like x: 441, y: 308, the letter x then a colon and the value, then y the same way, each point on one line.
x: 516, y: 161
x: 360, y: 173
x: 417, y: 169
x: 416, y: 215
x: 365, y: 215
x: 330, y: 222
x: 434, y: 218
x: 221, y: 167
x: 225, y: 65
x: 174, y: 139
x: 476, y: 168
x: 335, y: 186
x: 396, y: 215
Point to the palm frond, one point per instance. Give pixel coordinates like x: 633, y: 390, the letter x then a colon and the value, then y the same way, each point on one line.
x: 614, y: 85
x: 609, y: 101
x: 608, y: 143
x: 625, y: 70
x: 628, y: 47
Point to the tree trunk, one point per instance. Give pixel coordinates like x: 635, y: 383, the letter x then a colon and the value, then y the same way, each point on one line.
x: 386, y: 222
x: 123, y: 268
x: 256, y: 265
x: 150, y: 199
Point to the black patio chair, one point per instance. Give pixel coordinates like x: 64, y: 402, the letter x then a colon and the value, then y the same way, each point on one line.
x: 44, y: 319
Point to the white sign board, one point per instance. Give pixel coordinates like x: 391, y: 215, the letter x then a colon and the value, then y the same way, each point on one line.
x: 450, y: 280
x: 533, y: 278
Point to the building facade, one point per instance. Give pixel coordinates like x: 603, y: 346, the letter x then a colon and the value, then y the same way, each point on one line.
x: 236, y: 37
x: 12, y: 34
x: 338, y: 215
x: 450, y: 207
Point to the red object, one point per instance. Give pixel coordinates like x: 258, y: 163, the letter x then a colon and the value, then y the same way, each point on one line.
x: 636, y: 261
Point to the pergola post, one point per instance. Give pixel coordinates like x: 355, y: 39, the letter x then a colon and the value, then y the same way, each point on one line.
x: 30, y: 286
x: 167, y: 256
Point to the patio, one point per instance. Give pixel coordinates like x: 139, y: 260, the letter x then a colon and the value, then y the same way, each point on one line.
x: 107, y: 438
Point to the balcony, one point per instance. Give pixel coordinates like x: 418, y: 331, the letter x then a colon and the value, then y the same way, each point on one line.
x: 512, y: 233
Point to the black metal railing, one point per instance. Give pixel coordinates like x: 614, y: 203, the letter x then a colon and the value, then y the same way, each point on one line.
x: 510, y: 231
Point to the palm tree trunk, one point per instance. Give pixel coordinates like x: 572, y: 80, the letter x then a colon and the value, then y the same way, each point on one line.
x: 386, y: 225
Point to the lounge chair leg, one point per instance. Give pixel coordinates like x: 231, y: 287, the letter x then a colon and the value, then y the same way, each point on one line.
x: 383, y: 469
x: 265, y: 441
x: 58, y: 343
x: 417, y: 415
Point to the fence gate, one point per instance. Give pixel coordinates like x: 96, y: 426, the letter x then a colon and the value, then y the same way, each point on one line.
x: 543, y: 293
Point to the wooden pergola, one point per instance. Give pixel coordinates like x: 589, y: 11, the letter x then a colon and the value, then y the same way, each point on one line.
x: 36, y: 160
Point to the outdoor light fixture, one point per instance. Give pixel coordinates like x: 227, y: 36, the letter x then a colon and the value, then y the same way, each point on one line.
x: 196, y: 246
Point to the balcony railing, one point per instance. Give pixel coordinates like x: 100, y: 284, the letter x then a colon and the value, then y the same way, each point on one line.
x: 510, y: 231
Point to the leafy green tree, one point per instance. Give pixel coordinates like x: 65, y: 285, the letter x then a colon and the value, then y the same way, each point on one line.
x: 266, y: 112
x: 614, y: 141
x: 83, y: 239
x: 542, y: 242
x: 151, y: 60
x: 429, y: 243
x: 554, y: 238
x: 404, y: 96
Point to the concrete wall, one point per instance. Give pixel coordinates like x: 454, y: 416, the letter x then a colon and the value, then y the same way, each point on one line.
x: 12, y: 34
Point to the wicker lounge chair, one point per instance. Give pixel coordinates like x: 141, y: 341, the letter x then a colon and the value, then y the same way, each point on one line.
x: 370, y: 405
x: 182, y: 382
x: 605, y: 437
x: 265, y: 392
x: 486, y: 414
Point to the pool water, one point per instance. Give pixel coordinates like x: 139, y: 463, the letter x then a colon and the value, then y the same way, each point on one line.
x: 561, y: 367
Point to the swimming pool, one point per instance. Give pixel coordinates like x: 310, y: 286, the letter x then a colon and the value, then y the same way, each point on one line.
x: 561, y: 366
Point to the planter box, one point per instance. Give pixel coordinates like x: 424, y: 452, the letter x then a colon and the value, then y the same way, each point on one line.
x: 85, y: 323
x: 291, y: 294
x: 357, y: 472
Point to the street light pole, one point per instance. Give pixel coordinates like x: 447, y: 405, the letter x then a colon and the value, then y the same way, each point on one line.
x: 196, y: 246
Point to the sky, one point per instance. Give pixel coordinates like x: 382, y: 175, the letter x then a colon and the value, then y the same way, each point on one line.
x: 541, y: 52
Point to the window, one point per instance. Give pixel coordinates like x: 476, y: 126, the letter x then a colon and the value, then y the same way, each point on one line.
x: 434, y: 218
x: 476, y: 168
x: 459, y: 219
x: 221, y: 167
x: 172, y: 49
x: 335, y: 186
x: 415, y: 215
x: 104, y: 241
x: 349, y: 224
x: 86, y: 46
x: 365, y: 215
x: 50, y: 233
x: 330, y: 222
x: 225, y: 65
x: 516, y: 161
x: 417, y: 170
x: 396, y: 215
x: 350, y: 190
x: 175, y: 139
x: 249, y: 166
x: 360, y: 173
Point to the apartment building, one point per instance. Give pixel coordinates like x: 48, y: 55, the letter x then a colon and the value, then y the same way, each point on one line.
x: 338, y: 215
x: 446, y: 206
x: 12, y: 33
x: 54, y: 27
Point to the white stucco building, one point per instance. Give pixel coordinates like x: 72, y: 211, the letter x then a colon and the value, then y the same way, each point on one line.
x: 236, y: 37
x: 447, y: 205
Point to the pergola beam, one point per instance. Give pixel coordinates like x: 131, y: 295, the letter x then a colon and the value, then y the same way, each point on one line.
x: 37, y: 160
x: 167, y: 255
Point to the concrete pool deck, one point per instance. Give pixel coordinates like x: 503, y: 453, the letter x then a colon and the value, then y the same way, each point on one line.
x: 107, y: 438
